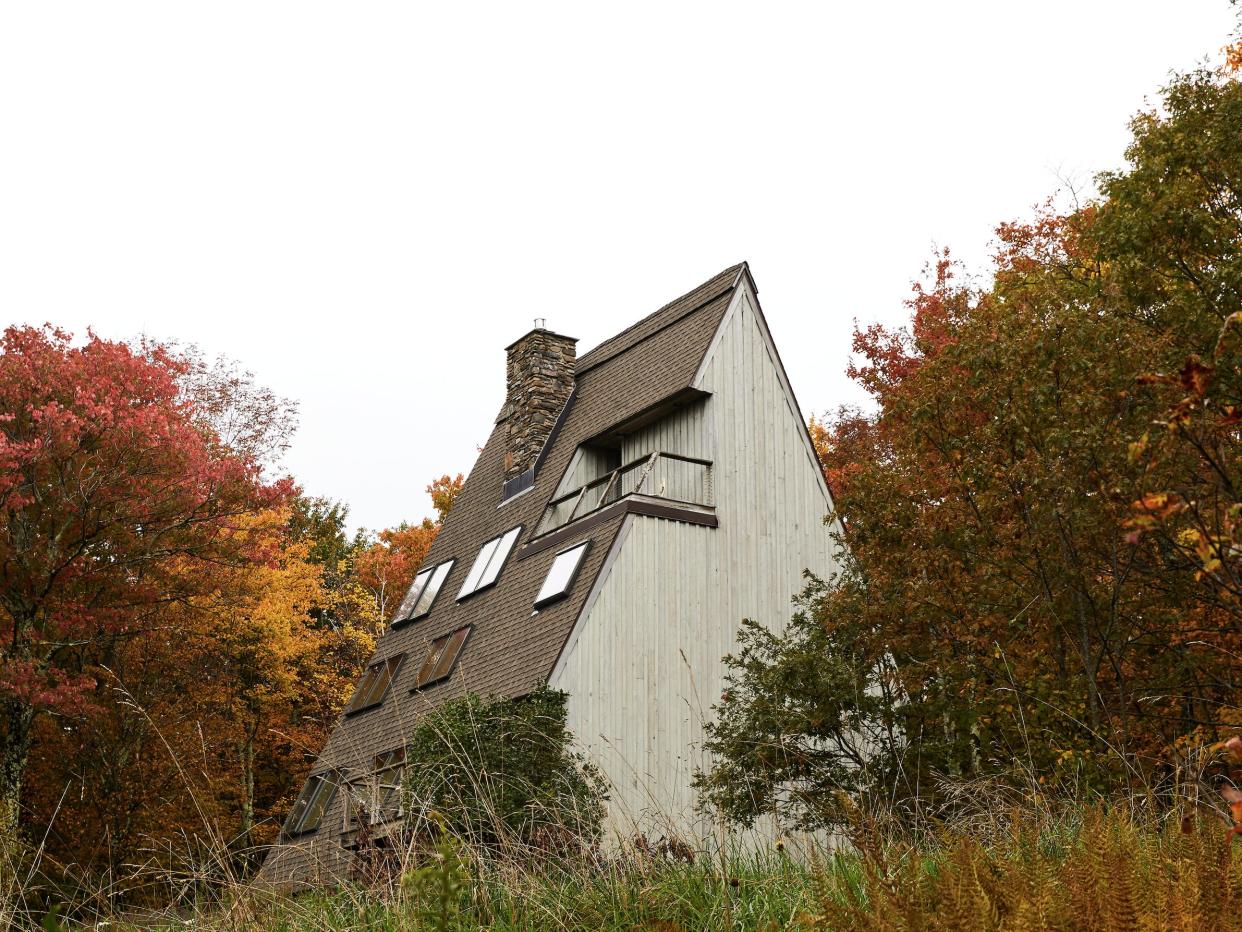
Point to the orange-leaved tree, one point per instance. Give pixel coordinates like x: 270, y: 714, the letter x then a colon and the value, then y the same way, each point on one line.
x: 203, y: 723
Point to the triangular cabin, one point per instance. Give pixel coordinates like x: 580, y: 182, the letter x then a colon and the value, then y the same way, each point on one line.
x: 630, y: 508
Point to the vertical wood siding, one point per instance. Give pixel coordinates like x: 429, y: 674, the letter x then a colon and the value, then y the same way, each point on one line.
x: 587, y: 465
x: 684, y: 433
x: 645, y: 666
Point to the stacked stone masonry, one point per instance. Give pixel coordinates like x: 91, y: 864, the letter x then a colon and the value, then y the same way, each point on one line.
x: 540, y: 380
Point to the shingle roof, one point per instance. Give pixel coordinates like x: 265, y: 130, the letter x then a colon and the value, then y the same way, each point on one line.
x: 511, y: 650
x: 669, y: 314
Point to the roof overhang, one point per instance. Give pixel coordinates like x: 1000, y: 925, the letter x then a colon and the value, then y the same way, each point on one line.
x: 682, y: 398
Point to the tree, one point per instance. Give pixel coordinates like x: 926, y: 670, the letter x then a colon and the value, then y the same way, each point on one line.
x: 118, y: 495
x: 443, y: 492
x: 1014, y: 622
x: 204, y: 723
x: 271, y: 675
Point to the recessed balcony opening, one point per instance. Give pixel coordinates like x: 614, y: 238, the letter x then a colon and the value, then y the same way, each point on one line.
x: 658, y: 475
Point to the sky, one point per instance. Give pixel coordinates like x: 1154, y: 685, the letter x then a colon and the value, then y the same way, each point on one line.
x: 364, y: 203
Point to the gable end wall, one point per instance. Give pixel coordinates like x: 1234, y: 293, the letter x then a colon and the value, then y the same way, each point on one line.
x: 643, y: 666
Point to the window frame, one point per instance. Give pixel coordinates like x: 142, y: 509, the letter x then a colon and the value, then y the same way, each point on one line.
x: 368, y: 680
x: 394, y: 762
x: 430, y: 573
x: 541, y: 603
x: 494, y: 543
x: 436, y: 652
x: 379, y: 802
x: 296, y: 825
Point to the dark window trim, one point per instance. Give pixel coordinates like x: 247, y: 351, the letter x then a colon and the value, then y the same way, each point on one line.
x: 500, y: 572
x: 379, y: 700
x: 469, y: 629
x: 297, y: 829
x: 573, y: 576
x: 402, y: 622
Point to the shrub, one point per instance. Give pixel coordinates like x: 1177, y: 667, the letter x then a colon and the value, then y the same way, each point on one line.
x: 500, y: 771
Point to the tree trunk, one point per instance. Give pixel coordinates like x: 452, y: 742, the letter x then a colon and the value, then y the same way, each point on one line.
x: 17, y: 717
x: 246, y: 756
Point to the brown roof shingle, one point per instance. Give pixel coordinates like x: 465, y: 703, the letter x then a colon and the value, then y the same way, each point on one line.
x: 714, y: 287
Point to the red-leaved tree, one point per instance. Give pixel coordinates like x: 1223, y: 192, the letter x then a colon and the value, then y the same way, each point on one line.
x: 120, y: 492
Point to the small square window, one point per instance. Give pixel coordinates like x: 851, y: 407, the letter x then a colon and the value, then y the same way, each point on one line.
x: 561, y: 575
x: 441, y: 657
x: 374, y: 685
x: 422, y: 594
x: 312, y: 803
x: 489, y: 563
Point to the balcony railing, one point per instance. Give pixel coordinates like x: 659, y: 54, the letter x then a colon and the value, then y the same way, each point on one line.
x: 660, y: 475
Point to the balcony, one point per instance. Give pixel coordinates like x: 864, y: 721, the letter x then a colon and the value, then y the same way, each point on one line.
x: 678, y: 479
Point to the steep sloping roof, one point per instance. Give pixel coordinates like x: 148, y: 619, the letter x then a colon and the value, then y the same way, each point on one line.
x: 511, y: 649
x: 671, y: 313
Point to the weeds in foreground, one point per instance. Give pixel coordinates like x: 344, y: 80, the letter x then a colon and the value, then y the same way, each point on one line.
x: 1107, y: 872
x: 1086, y: 868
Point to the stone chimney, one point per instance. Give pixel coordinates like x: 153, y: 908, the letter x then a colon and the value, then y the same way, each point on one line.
x: 540, y: 379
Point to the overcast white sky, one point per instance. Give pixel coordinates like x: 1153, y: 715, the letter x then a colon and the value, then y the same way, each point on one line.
x: 365, y: 202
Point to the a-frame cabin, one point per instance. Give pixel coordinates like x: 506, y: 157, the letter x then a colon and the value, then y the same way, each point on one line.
x: 630, y: 508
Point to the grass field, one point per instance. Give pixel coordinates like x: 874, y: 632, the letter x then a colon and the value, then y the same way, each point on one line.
x: 1088, y: 868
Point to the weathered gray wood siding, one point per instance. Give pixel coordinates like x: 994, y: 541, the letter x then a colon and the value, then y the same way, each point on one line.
x: 587, y: 465
x: 644, y: 666
x: 685, y: 433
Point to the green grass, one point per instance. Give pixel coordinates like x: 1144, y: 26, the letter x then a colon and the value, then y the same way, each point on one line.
x: 1085, y: 868
x: 759, y: 892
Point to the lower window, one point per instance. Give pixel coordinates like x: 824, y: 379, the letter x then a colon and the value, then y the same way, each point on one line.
x: 377, y: 798
x: 312, y: 804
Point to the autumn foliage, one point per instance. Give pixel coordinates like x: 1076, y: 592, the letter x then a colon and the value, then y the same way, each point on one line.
x: 180, y: 627
x: 1041, y: 512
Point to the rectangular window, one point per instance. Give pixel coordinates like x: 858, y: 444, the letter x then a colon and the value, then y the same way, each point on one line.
x: 422, y: 595
x: 389, y: 776
x: 377, y: 798
x: 374, y: 685
x: 561, y: 575
x: 441, y: 656
x: 357, y: 804
x: 313, y: 802
x: 489, y: 563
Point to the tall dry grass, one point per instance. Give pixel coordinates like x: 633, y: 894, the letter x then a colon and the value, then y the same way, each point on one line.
x: 1066, y: 865
x: 998, y: 855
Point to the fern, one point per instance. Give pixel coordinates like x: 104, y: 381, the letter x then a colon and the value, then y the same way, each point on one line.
x: 1110, y: 875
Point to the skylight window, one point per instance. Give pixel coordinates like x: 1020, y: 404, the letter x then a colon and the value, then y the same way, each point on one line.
x: 374, y: 685
x: 561, y: 576
x: 422, y: 595
x: 489, y: 562
x: 441, y: 657
x: 316, y: 796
